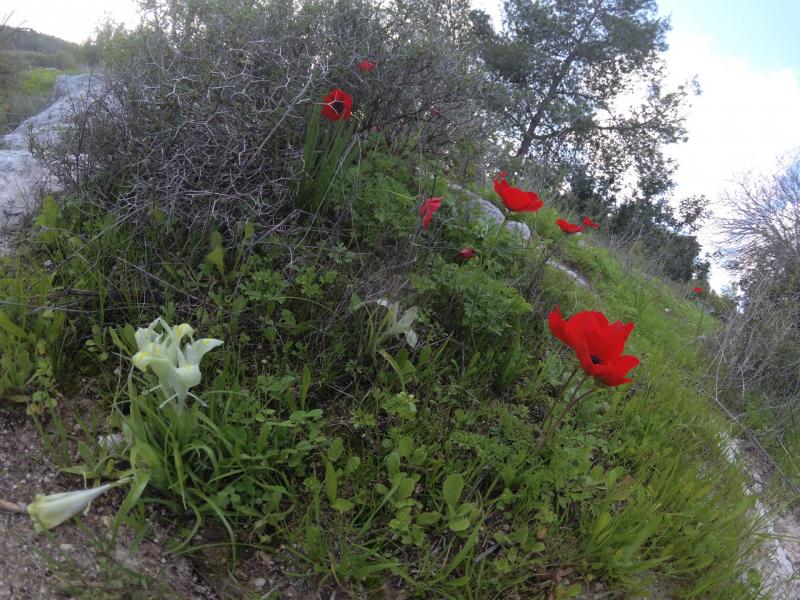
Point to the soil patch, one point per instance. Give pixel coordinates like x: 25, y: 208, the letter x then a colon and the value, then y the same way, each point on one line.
x: 75, y: 559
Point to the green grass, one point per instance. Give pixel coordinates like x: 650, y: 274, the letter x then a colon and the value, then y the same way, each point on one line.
x: 374, y: 467
x: 29, y: 96
x: 39, y: 81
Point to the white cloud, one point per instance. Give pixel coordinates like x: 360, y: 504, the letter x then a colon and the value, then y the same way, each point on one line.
x: 742, y: 122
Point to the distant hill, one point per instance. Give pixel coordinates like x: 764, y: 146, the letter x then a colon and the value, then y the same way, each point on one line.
x: 30, y: 62
x: 23, y: 38
x: 28, y: 49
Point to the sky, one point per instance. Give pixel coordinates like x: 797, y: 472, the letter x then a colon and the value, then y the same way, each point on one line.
x: 71, y: 20
x: 747, y: 61
x: 744, y: 53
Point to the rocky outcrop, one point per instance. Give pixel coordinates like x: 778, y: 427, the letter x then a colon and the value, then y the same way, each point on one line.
x: 22, y: 178
x: 491, y: 215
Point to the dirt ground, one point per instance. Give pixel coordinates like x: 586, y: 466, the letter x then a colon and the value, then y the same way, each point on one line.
x: 73, y: 560
x: 76, y: 560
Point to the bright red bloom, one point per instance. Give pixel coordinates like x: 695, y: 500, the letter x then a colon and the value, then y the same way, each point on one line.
x: 597, y: 344
x: 568, y: 227
x: 427, y: 208
x: 366, y: 65
x: 515, y: 199
x: 698, y: 290
x: 338, y: 105
x: 466, y: 253
x: 589, y: 223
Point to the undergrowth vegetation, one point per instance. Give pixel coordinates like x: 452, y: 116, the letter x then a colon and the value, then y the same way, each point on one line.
x: 381, y: 405
x: 368, y: 458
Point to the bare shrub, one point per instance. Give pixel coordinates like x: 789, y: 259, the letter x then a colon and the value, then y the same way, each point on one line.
x: 206, y: 113
x: 759, y: 349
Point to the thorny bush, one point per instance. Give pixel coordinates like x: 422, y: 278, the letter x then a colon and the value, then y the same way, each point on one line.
x: 206, y: 114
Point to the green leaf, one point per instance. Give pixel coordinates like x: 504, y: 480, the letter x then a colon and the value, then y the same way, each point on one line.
x: 335, y: 450
x: 304, y: 385
x: 140, y: 481
x: 537, y: 547
x: 393, y: 363
x: 342, y: 505
x: 10, y: 328
x: 405, y: 446
x: 458, y: 525
x: 405, y: 487
x: 331, y: 481
x: 462, y: 554
x: 216, y: 258
x: 602, y: 523
x: 428, y: 518
x: 572, y: 591
x: 451, y: 490
x: 118, y: 342
x: 249, y: 231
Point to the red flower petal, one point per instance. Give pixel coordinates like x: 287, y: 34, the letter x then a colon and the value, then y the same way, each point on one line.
x: 598, y: 344
x: 568, y: 227
x: 427, y: 208
x: 616, y: 371
x: 466, y: 253
x: 515, y: 199
x: 557, y: 325
x: 366, y: 66
x: 698, y: 290
x: 589, y: 223
x: 338, y: 105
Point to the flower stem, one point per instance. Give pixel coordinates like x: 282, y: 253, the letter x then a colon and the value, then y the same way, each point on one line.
x: 560, y: 395
x: 545, y: 439
x: 500, y: 231
x: 702, y: 312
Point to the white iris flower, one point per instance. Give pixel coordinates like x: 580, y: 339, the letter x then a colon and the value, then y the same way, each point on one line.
x: 177, y: 368
x: 49, y: 511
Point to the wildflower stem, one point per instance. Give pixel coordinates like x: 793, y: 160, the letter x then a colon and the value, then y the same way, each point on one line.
x: 567, y: 409
x: 702, y: 312
x: 560, y: 396
x: 500, y: 229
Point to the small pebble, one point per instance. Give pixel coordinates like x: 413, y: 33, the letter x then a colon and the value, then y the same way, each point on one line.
x: 65, y: 547
x: 259, y: 582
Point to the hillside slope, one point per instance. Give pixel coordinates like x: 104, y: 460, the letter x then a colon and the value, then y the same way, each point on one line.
x: 357, y: 457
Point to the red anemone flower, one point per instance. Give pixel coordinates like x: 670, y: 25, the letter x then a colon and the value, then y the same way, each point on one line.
x: 338, y: 105
x: 427, y: 208
x: 568, y: 227
x: 589, y: 223
x: 366, y: 65
x: 466, y: 253
x: 597, y: 344
x: 698, y: 290
x: 515, y: 199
